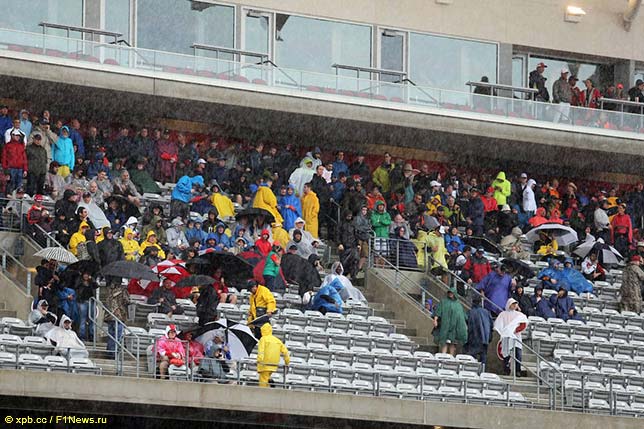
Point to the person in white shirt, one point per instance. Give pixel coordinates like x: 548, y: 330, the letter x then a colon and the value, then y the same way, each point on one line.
x: 16, y: 127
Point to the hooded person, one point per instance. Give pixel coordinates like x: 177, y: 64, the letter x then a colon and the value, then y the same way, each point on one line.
x: 552, y: 276
x: 66, y: 341
x: 502, y: 189
x: 479, y: 330
x: 263, y: 244
x: 42, y: 319
x: 63, y: 152
x: 109, y: 249
x: 564, y: 305
x: 221, y: 202
x: 78, y: 237
x: 450, y: 326
x: 130, y: 245
x: 262, y: 303
x: 512, y: 245
x: 541, y: 304
x: 301, y: 175
x: 346, y: 290
x: 524, y: 301
x: 303, y: 247
x: 279, y: 234
x: 151, y: 241
x: 170, y: 350
x: 327, y: 299
x: 177, y: 240
x: 310, y: 210
x: 300, y: 225
x: 509, y: 325
x: 265, y: 199
x: 290, y: 207
x: 496, y: 287
x: 156, y: 225
x: 539, y: 218
x: 269, y: 351
x: 574, y: 280
x: 182, y: 194
x: 95, y: 214
x: 222, y: 240
x: 194, y: 231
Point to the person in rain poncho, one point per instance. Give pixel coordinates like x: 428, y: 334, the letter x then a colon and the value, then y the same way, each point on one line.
x: 221, y: 202
x: 177, y: 240
x: 479, y: 330
x: 300, y: 225
x: 95, y: 213
x: 327, y: 299
x: 632, y: 280
x: 63, y: 153
x: 552, y: 276
x: 450, y: 322
x: 546, y: 245
x: 42, y: 319
x: 290, y: 207
x: 265, y: 199
x: 262, y: 302
x: 310, y: 210
x: 509, y: 325
x: 303, y: 248
x: 182, y: 194
x: 151, y: 241
x: 573, y: 280
x: 130, y: 245
x: 347, y: 290
x: 301, y: 176
x: 512, y: 245
x: 502, y: 189
x: 269, y: 351
x: 66, y: 341
x: 564, y: 305
x: 170, y: 350
x: 496, y: 287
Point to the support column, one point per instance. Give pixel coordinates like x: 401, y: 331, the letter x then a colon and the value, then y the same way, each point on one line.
x: 624, y: 72
x: 505, y: 64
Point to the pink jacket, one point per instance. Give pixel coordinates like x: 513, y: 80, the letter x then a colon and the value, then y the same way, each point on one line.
x: 166, y: 346
x: 196, y: 352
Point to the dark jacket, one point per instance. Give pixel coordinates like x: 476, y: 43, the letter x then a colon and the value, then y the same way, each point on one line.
x: 525, y: 303
x: 85, y: 291
x: 110, y: 251
x: 542, y: 308
x: 538, y: 82
x: 300, y: 271
x: 476, y: 212
x: 348, y: 235
x: 37, y: 160
x: 169, y: 300
x: 207, y: 305
x: 479, y: 328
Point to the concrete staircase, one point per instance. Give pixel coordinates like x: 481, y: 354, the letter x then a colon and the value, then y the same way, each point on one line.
x: 4, y: 312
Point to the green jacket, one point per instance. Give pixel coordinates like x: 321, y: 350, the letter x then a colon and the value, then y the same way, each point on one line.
x: 144, y: 182
x: 380, y: 178
x: 271, y: 268
x: 380, y: 223
x: 502, y: 189
x: 453, y: 321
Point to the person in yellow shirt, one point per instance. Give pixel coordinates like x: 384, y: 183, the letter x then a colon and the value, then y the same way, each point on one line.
x: 265, y: 199
x: 310, y: 210
x: 222, y: 203
x: 262, y: 303
x: 436, y: 248
x: 269, y: 351
x: 130, y: 245
x: 151, y: 240
x: 279, y: 234
x: 78, y: 237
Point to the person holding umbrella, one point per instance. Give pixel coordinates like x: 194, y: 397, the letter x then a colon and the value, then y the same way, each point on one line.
x: 262, y: 303
x: 165, y: 297
x: 269, y: 350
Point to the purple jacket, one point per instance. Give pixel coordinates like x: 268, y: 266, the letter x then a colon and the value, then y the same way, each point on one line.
x: 497, y: 288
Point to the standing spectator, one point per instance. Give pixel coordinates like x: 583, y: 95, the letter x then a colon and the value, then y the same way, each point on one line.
x: 636, y: 94
x: 302, y: 175
x: 502, y: 189
x: 77, y: 139
x: 509, y: 325
x: 360, y: 169
x: 529, y: 201
x: 290, y: 208
x: 168, y: 154
x: 538, y: 81
x: 5, y: 120
x: 37, y: 166
x: 601, y: 221
x: 632, y: 281
x: 15, y: 127
x: 636, y: 203
x: 339, y: 166
x: 182, y: 194
x: 590, y: 96
x: 496, y: 287
x: 562, y: 95
x: 85, y: 287
x: 380, y: 175
x: 63, y: 153
x: 49, y: 138
x: 269, y: 351
x: 621, y: 230
x: 574, y: 90
x: 262, y: 303
x: 118, y: 299
x: 449, y: 321
x: 14, y: 160
x: 272, y: 266
x: 25, y: 124
x: 479, y: 331
x: 255, y: 160
x: 436, y: 245
x: 476, y: 267
x: 476, y: 212
x: 310, y: 210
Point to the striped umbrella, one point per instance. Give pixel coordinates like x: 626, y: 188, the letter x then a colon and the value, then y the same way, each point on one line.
x: 239, y: 337
x: 57, y: 254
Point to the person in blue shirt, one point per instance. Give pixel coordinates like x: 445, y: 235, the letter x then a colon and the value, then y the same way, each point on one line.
x: 339, y: 166
x: 5, y: 120
x: 182, y: 194
x: 290, y: 208
x: 25, y: 124
x: 338, y: 186
x: 496, y: 287
x: 77, y: 139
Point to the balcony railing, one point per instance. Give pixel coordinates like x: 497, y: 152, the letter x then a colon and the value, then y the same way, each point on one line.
x: 267, y: 77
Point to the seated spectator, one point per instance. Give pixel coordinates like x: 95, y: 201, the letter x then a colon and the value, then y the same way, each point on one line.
x: 130, y: 245
x: 541, y: 304
x: 592, y: 269
x: 346, y: 290
x: 524, y: 301
x: 222, y: 290
x: 54, y: 183
x: 151, y: 241
x: 165, y: 298
x: 563, y: 305
x: 94, y: 212
x: 211, y: 221
x: 327, y: 300
x: 142, y: 179
x: 177, y: 240
x: 170, y: 350
x: 78, y: 237
x: 66, y: 341
x: 539, y: 218
x: 156, y: 225
x: 104, y: 184
x: 195, y: 349
x: 78, y: 180
x: 573, y: 280
x: 195, y: 232
x: 546, y: 245
x: 217, y: 353
x: 303, y: 248
x: 513, y: 246
x: 221, y: 202
x: 124, y: 186
x: 42, y: 319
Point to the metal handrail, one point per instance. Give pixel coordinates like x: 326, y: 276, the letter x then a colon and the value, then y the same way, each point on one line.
x: 473, y: 84
x: 411, y: 82
x: 51, y: 240
x: 118, y: 357
x: 7, y: 255
x: 87, y: 30
x: 379, y: 72
x: 268, y: 61
x: 238, y: 53
x: 621, y: 103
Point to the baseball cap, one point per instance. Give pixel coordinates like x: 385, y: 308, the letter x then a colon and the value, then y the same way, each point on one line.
x: 620, y: 86
x: 524, y: 175
x: 480, y: 250
x: 573, y: 77
x: 16, y: 133
x: 564, y: 70
x: 201, y: 161
x: 434, y: 183
x: 638, y: 82
x: 542, y: 65
x: 38, y: 197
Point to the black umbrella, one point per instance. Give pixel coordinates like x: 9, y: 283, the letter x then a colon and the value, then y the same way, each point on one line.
x: 130, y: 270
x: 236, y: 270
x: 518, y: 267
x: 486, y: 244
x: 300, y: 271
x: 237, y: 335
x: 252, y: 213
x: 195, y: 280
x: 85, y: 266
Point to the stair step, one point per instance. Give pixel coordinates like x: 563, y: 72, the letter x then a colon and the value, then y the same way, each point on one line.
x: 398, y: 322
x: 377, y: 305
x: 384, y: 313
x: 431, y: 348
x: 410, y: 332
x: 422, y: 341
x: 3, y: 305
x: 7, y: 313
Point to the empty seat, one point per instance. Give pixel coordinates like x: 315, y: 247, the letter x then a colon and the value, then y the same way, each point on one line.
x: 31, y: 361
x: 56, y: 363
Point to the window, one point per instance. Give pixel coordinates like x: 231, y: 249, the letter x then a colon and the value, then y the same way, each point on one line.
x: 583, y: 71
x: 315, y: 44
x: 174, y: 26
x: 117, y: 18
x: 26, y: 17
x: 392, y: 53
x: 448, y: 63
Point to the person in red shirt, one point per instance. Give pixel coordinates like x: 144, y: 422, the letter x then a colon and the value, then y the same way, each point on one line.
x: 621, y: 232
x: 221, y: 288
x: 14, y: 159
x: 34, y: 214
x: 263, y: 244
x: 590, y: 96
x: 489, y: 202
x: 476, y: 267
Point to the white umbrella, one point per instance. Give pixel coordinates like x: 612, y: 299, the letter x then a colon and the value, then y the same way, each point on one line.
x: 239, y: 337
x: 606, y: 253
x: 564, y: 235
x: 57, y: 254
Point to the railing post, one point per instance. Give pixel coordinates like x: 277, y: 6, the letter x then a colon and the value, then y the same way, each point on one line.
x: 4, y: 261
x: 29, y: 283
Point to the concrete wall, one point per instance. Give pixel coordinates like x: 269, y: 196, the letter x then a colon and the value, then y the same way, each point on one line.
x: 537, y: 23
x: 14, y: 297
x: 141, y: 397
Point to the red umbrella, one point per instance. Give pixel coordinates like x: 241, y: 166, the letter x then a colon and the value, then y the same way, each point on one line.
x: 175, y: 274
